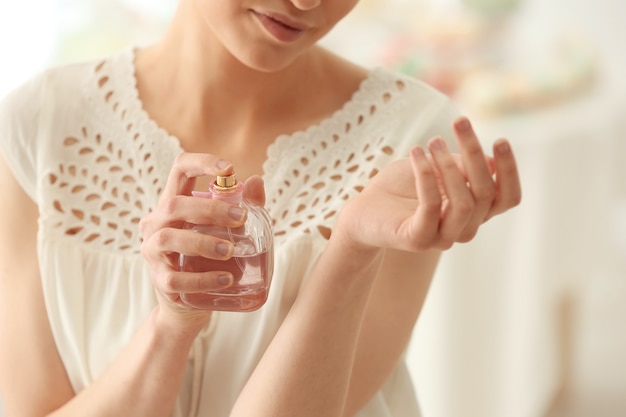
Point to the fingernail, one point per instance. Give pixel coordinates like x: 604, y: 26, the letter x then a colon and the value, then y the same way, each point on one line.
x: 438, y: 145
x: 223, y: 164
x: 225, y: 280
x: 222, y: 248
x: 503, y: 147
x: 419, y: 152
x: 235, y: 213
x: 463, y: 124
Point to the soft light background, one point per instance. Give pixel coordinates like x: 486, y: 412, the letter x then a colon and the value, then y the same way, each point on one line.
x: 526, y: 320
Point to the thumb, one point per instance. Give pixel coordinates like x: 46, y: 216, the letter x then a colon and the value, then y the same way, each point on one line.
x: 254, y: 190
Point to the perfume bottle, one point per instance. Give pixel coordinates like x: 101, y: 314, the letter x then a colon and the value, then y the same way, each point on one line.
x: 252, y: 261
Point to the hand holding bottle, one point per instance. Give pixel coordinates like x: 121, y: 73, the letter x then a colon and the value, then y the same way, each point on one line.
x: 432, y: 201
x: 251, y: 264
x: 165, y: 235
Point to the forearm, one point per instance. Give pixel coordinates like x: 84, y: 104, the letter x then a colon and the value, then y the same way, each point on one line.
x: 143, y: 381
x: 392, y: 311
x: 307, y: 368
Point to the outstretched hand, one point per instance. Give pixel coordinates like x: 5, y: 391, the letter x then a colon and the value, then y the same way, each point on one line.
x: 433, y: 201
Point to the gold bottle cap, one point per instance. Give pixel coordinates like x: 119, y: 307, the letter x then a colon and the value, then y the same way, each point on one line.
x: 227, y: 182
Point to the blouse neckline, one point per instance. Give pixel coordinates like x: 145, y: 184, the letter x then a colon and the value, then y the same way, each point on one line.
x: 357, y: 104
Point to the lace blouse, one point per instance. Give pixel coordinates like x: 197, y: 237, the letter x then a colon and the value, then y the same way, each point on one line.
x: 80, y: 144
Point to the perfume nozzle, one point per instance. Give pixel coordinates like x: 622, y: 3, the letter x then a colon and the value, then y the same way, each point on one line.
x: 227, y: 182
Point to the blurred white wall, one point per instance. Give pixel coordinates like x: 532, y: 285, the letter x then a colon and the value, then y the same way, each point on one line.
x: 27, y: 39
x: 37, y: 33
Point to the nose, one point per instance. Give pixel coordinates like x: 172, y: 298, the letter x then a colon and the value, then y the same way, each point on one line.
x: 306, y: 4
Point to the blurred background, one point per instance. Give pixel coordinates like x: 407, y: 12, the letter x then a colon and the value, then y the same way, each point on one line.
x: 526, y: 320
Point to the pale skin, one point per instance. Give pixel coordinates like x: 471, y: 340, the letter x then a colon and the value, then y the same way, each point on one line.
x: 339, y: 353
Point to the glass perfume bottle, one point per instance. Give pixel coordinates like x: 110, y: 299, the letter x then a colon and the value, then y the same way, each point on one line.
x: 253, y: 258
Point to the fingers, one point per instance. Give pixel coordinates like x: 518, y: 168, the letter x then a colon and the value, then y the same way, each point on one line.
x: 187, y: 242
x: 166, y: 231
x: 254, y: 190
x: 198, y: 210
x: 478, y: 174
x: 425, y: 220
x: 460, y: 202
x: 508, y: 187
x: 468, y: 195
x: 164, y: 236
x: 162, y: 251
x: 187, y: 167
x: 174, y: 212
x: 172, y: 283
x: 178, y: 282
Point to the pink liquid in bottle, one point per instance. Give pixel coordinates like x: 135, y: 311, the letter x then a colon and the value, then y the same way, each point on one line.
x: 252, y: 261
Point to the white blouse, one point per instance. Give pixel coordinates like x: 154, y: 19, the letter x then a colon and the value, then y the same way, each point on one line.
x: 82, y: 147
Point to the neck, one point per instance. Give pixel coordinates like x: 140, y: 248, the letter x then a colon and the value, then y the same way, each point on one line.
x: 195, y: 88
x: 199, y: 69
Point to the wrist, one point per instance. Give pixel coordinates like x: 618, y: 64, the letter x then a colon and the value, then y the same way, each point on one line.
x: 354, y: 254
x: 346, y: 233
x: 181, y: 328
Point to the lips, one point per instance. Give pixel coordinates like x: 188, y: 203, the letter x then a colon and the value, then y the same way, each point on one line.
x: 280, y: 27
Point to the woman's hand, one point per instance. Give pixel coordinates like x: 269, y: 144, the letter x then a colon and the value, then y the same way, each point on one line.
x: 432, y: 201
x: 164, y: 235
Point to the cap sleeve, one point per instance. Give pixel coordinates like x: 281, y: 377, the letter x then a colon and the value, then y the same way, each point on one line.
x: 19, y: 125
x: 423, y: 113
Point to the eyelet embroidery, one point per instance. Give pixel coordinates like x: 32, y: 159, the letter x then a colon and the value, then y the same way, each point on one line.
x: 101, y: 195
x: 331, y: 172
x: 107, y: 185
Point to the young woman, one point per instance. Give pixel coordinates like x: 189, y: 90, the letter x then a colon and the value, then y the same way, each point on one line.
x: 99, y: 161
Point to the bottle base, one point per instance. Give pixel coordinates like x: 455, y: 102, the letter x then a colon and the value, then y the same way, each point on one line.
x: 250, y: 301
